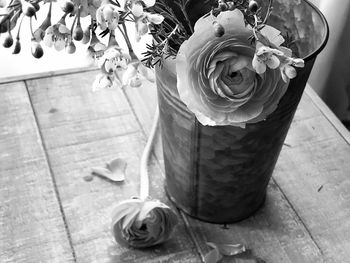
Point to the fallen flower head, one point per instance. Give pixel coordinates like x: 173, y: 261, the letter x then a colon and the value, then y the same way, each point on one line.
x: 142, y: 223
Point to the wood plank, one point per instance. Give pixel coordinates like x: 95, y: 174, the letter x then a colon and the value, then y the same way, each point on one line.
x: 274, y: 234
x: 31, y: 224
x: 314, y: 175
x: 112, y: 132
x: 338, y: 125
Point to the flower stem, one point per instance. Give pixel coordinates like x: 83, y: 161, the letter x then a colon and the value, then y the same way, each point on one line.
x: 73, y: 24
x: 19, y: 27
x: 144, y: 178
x: 268, y: 12
x: 126, y: 37
x: 170, y: 35
x: 183, y: 10
x: 31, y: 26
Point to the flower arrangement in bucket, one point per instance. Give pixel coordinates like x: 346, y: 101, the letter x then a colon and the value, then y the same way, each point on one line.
x: 229, y: 79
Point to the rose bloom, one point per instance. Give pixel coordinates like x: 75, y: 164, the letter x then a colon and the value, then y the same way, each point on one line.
x: 216, y: 79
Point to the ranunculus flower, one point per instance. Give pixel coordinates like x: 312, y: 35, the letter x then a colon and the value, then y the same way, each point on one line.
x: 216, y: 79
x: 140, y: 223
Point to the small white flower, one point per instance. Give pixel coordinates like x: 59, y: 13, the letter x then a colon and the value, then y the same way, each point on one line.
x: 107, y: 16
x: 132, y: 75
x: 287, y: 69
x: 141, y: 23
x: 87, y: 7
x: 114, y: 59
x: 57, y: 35
x: 102, y: 81
x: 136, y: 6
x: 105, y: 81
x: 266, y: 56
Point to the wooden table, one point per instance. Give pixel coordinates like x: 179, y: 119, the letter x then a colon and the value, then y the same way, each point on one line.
x: 54, y: 129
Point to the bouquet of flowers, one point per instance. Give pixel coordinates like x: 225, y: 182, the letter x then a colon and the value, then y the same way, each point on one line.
x: 240, y: 52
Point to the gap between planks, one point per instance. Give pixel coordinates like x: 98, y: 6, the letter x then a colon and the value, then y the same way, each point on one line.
x: 57, y: 194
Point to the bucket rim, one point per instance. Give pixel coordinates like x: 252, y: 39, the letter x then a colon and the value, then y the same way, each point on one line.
x: 324, y: 41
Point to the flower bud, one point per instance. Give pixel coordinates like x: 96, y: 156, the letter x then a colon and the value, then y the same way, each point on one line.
x: 17, y: 48
x: 37, y: 50
x: 70, y: 48
x: 253, y: 6
x: 78, y: 33
x: 67, y: 6
x: 86, y: 36
x: 223, y: 6
x: 3, y: 24
x: 231, y: 5
x: 8, y: 41
x: 219, y: 30
x: 36, y: 6
x: 28, y: 9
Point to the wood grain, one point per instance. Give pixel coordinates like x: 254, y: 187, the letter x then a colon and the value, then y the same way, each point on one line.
x: 31, y: 224
x: 305, y: 218
x: 314, y: 174
x: 88, y: 129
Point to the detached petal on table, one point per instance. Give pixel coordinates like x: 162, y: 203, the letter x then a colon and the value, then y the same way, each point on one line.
x: 114, y: 170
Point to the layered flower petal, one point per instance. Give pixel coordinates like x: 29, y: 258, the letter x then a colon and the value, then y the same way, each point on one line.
x: 141, y: 223
x: 226, y: 80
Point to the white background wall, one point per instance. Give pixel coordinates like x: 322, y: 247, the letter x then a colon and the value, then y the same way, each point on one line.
x: 24, y: 63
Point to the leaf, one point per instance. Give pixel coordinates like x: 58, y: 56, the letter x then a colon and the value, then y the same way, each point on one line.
x: 114, y: 170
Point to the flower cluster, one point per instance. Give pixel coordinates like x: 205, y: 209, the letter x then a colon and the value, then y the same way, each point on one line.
x: 108, y: 17
x: 232, y: 68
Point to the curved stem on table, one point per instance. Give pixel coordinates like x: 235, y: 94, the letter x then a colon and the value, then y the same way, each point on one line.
x: 144, y: 178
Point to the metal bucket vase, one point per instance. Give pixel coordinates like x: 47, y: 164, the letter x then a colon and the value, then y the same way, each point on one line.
x: 220, y: 174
